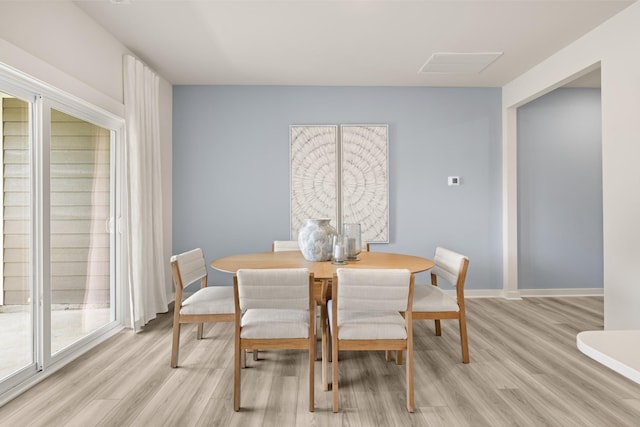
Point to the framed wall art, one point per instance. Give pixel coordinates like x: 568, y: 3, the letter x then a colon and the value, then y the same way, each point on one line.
x: 340, y: 172
x: 314, y: 185
x: 363, y: 180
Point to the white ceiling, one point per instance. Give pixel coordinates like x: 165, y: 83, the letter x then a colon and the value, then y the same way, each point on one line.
x: 343, y: 42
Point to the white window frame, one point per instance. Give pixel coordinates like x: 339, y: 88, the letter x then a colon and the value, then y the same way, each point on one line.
x: 44, y: 97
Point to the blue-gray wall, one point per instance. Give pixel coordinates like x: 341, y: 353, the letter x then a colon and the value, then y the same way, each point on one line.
x: 560, y: 191
x: 231, y: 167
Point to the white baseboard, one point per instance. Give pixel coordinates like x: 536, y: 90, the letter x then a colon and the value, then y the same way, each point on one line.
x: 566, y: 292
x: 524, y: 293
x: 482, y: 293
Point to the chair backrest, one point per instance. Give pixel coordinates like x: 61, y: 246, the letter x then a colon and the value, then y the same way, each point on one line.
x: 188, y: 267
x: 273, y: 288
x: 285, y: 245
x: 451, y: 266
x: 373, y: 289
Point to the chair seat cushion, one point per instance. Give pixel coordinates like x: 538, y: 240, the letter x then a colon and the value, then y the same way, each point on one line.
x: 428, y: 298
x: 210, y: 300
x: 377, y: 325
x: 271, y: 323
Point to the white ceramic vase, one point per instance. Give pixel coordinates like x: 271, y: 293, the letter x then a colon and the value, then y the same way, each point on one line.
x: 316, y: 239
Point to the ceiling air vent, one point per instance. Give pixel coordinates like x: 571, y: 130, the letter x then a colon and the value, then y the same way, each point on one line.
x: 450, y: 62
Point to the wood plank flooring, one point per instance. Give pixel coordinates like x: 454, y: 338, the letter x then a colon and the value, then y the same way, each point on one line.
x: 525, y: 370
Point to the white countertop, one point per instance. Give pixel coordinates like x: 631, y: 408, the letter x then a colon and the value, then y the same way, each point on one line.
x: 618, y: 350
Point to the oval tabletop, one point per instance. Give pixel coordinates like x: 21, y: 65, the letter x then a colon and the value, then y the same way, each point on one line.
x: 323, y: 269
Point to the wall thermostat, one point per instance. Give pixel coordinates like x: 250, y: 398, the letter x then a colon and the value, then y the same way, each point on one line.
x: 454, y: 180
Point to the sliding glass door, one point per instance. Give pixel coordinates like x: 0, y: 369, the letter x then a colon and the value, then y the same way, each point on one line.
x: 58, y: 259
x: 17, y: 308
x: 80, y: 235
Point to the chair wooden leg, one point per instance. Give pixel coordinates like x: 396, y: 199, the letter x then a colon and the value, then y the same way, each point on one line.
x: 398, y: 357
x: 325, y: 349
x: 175, y: 346
x: 312, y: 374
x: 387, y: 355
x: 464, y: 342
x: 255, y: 354
x: 409, y: 371
x: 329, y: 342
x: 319, y: 327
x: 438, y: 329
x: 200, y: 331
x: 238, y: 353
x: 334, y: 383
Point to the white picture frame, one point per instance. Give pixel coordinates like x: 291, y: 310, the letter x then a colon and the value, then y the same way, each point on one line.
x: 314, y: 185
x: 364, y: 183
x: 341, y: 172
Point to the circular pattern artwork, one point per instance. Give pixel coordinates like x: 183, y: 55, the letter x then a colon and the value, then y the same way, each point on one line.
x: 364, y: 180
x: 342, y: 176
x: 313, y: 174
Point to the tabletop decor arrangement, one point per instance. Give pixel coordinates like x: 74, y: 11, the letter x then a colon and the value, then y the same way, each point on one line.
x: 316, y: 239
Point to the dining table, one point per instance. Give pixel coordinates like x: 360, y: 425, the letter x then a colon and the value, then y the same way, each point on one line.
x: 323, y: 271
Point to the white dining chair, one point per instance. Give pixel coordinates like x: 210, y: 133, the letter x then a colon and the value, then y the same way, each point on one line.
x: 285, y: 245
x: 370, y: 309
x: 207, y: 304
x: 274, y: 309
x: 431, y: 302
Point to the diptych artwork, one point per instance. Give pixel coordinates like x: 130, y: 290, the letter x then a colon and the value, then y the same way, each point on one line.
x: 341, y: 173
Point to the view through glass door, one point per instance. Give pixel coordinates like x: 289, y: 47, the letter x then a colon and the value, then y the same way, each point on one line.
x: 80, y: 209
x: 17, y: 314
x: 58, y: 287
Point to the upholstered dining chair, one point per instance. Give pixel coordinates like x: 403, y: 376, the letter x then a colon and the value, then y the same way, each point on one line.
x: 279, y: 246
x: 274, y: 309
x: 365, y: 314
x: 285, y: 245
x: 324, y: 296
x: 207, y: 304
x: 431, y: 302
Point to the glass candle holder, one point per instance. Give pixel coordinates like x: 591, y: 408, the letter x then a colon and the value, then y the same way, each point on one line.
x: 353, y: 240
x: 339, y: 252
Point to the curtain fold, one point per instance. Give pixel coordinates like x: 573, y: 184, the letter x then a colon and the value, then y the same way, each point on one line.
x: 144, y: 231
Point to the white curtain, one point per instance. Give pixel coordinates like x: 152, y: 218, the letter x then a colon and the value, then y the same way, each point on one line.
x: 145, y: 253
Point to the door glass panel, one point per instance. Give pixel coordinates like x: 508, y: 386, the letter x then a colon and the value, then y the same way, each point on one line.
x: 80, y: 229
x: 16, y: 309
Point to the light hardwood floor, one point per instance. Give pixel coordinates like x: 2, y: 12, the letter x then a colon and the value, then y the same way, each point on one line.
x: 525, y: 370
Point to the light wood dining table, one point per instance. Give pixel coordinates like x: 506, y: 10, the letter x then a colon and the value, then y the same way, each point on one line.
x: 323, y: 271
